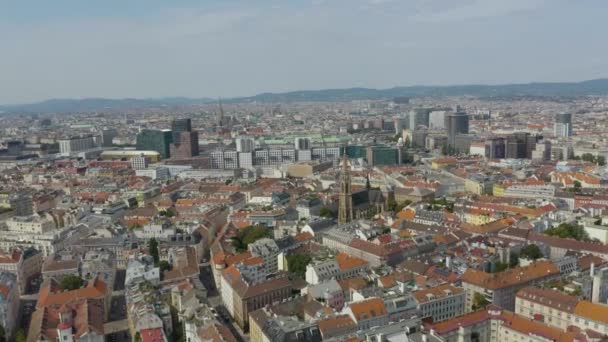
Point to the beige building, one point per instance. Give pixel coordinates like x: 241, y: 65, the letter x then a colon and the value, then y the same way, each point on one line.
x: 441, y: 302
x: 561, y: 311
x: 241, y: 297
x: 496, y: 325
x: 500, y: 288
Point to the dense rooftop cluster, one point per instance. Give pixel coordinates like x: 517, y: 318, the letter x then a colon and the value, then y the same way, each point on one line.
x: 374, y: 221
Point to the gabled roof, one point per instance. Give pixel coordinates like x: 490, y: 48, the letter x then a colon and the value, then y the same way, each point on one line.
x: 368, y: 309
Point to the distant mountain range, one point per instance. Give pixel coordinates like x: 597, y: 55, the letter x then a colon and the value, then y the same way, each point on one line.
x: 100, y: 104
x: 591, y: 87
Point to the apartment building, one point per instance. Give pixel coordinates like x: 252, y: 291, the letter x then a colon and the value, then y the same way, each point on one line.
x: 500, y: 288
x: 561, y: 311
x: 344, y: 266
x: 441, y: 302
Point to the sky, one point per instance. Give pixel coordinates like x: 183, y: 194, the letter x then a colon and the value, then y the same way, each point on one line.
x: 229, y: 48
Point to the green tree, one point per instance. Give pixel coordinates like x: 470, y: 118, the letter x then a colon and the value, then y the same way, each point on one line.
x: 588, y: 157
x: 21, y: 336
x: 167, y: 213
x: 71, y: 282
x: 600, y: 160
x: 153, y: 250
x: 500, y: 266
x: 531, y: 252
x: 326, y: 212
x: 164, y: 265
x: 249, y: 235
x: 402, y: 205
x: 567, y: 230
x: 2, y: 333
x: 479, y: 301
x: 137, y: 337
x: 297, y: 263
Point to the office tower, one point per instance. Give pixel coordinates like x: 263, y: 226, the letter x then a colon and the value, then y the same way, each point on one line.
x: 140, y: 162
x: 245, y: 144
x: 216, y: 159
x: 107, y: 135
x: 178, y: 126
x: 382, y: 155
x: 156, y: 140
x: 76, y: 144
x: 419, y: 117
x: 245, y: 160
x: 398, y: 123
x: 437, y: 119
x: 435, y: 141
x: 378, y: 123
x: 181, y: 125
x: 456, y: 123
x: 231, y: 160
x: 186, y: 146
x: 520, y: 145
x: 14, y: 147
x: 22, y: 204
x: 302, y: 144
x: 542, y: 151
x: 497, y: 149
x: 345, y: 210
x: 325, y: 153
x: 563, y: 125
x: 419, y: 138
x: 462, y: 143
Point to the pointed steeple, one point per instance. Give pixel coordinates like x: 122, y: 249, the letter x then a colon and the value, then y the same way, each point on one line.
x: 345, y: 210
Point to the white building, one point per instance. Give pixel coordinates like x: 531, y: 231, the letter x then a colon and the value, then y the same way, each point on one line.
x: 268, y: 250
x: 140, y: 162
x: 31, y: 224
x: 76, y: 144
x: 142, y: 269
x: 437, y: 120
x: 157, y: 173
x: 245, y: 144
x: 440, y: 303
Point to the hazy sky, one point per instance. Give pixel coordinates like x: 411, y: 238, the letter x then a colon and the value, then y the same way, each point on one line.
x: 153, y: 48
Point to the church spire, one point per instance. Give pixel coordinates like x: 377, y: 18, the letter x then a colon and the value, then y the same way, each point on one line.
x: 345, y: 210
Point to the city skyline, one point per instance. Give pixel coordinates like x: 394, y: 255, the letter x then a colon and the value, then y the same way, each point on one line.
x: 213, y: 49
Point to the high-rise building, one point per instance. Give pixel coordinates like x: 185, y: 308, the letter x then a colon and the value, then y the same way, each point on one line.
x: 456, y: 123
x: 22, y: 204
x: 76, y: 144
x: 497, y: 148
x: 563, y: 125
x: 542, y: 151
x: 345, y: 210
x: 419, y: 138
x: 520, y: 145
x: 302, y: 144
x: 107, y: 135
x: 382, y: 155
x: 462, y: 143
x: 186, y: 146
x: 181, y: 125
x: 419, y: 117
x: 437, y: 119
x: 140, y: 162
x: 156, y: 140
x: 398, y: 123
x: 245, y: 144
